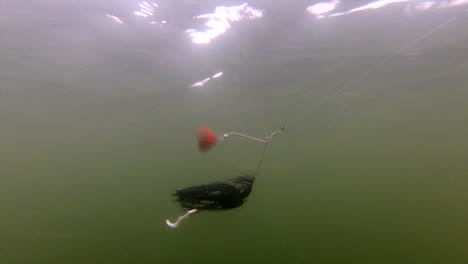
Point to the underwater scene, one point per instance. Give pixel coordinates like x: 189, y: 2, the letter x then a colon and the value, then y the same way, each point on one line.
x: 289, y: 131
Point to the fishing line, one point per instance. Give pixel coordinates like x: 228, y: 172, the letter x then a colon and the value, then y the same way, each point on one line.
x: 345, y: 84
x: 338, y: 88
x: 357, y: 78
x: 221, y: 196
x: 259, y: 165
x: 376, y: 65
x: 218, y: 195
x: 266, y: 141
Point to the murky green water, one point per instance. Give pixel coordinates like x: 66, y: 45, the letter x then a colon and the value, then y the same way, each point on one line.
x: 98, y: 126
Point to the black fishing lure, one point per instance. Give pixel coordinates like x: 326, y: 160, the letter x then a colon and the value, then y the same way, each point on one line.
x: 213, y: 196
x: 216, y: 196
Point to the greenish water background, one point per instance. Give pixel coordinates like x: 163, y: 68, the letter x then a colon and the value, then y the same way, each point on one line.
x: 98, y: 128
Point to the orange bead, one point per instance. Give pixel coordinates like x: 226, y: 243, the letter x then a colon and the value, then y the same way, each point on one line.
x: 206, y: 139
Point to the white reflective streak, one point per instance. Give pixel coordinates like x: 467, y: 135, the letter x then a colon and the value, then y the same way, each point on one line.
x: 373, y: 5
x: 426, y: 5
x: 148, y: 12
x: 411, y: 7
x: 218, y: 21
x: 138, y: 13
x: 322, y: 8
x: 217, y: 75
x: 144, y: 4
x: 200, y: 83
x: 146, y: 9
x: 116, y: 19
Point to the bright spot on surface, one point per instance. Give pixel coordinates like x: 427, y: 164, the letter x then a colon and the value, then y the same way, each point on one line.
x: 372, y: 5
x: 322, y: 8
x: 410, y: 8
x: 218, y: 21
x: 138, y: 13
x: 116, y: 19
x: 200, y: 83
x: 149, y: 13
x: 217, y: 75
x: 146, y: 9
x: 145, y: 6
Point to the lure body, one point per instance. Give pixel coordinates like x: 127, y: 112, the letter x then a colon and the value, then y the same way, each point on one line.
x: 216, y: 196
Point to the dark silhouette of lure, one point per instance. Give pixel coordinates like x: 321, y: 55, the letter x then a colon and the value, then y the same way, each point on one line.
x: 213, y: 196
x: 217, y: 195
